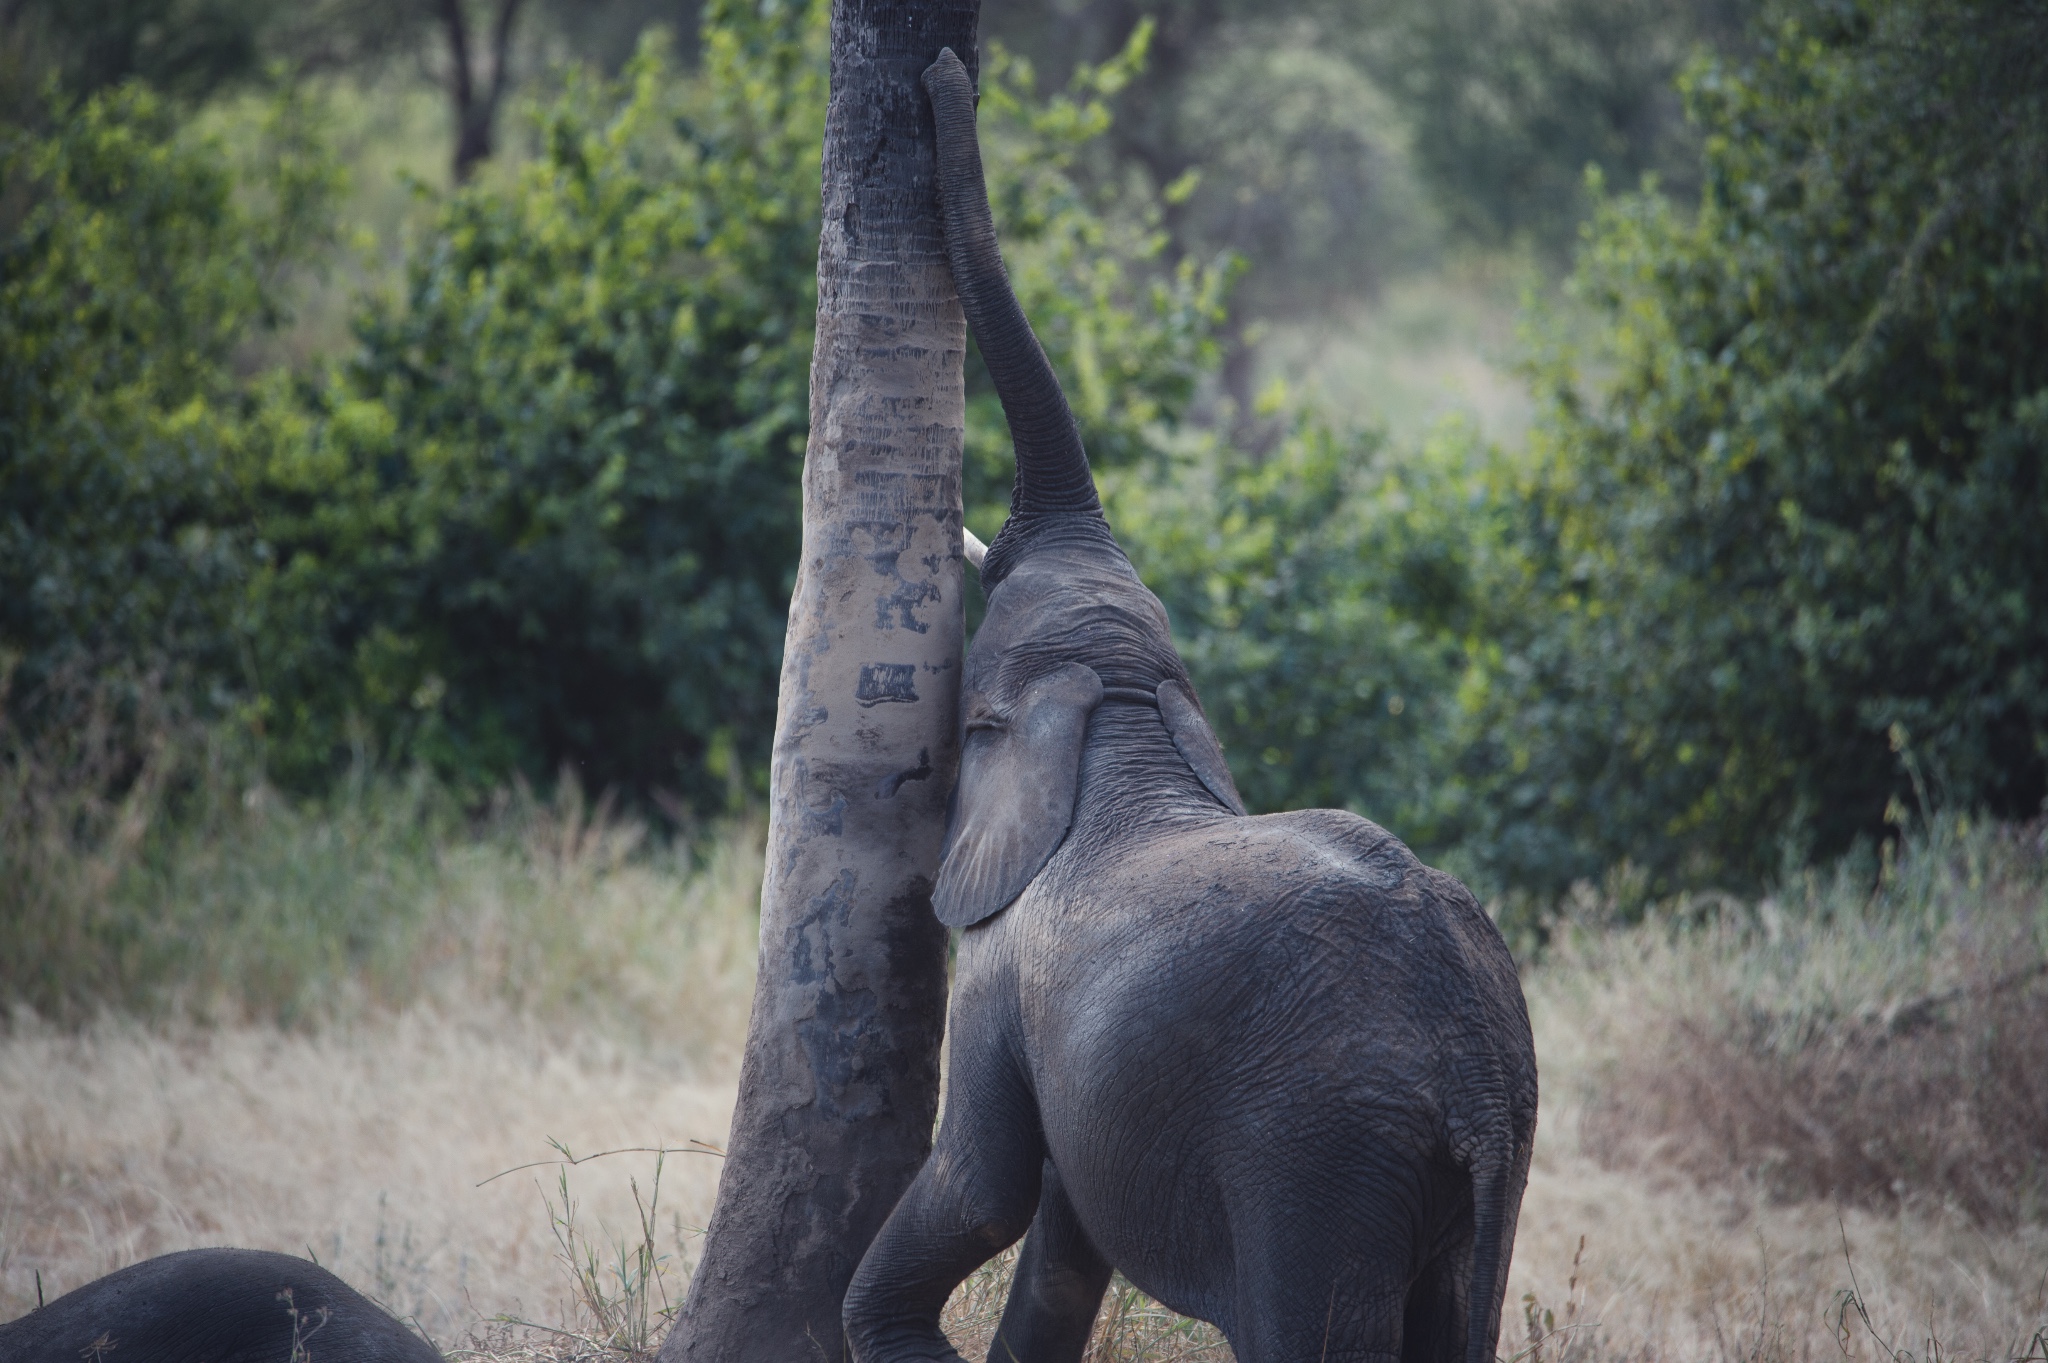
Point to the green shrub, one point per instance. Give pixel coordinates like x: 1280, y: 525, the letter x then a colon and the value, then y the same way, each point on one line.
x: 134, y: 261
x: 1799, y: 531
x: 1325, y: 598
x: 546, y: 513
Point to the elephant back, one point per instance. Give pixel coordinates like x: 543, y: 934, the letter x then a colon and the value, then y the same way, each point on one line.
x: 214, y: 1306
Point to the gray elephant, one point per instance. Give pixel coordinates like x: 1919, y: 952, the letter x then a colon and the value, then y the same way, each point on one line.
x: 213, y: 1306
x: 1275, y: 1070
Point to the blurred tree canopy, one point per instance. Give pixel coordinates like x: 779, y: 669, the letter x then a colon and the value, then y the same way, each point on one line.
x: 1774, y: 559
x: 1511, y: 100
x: 545, y: 511
x: 1330, y: 141
x: 190, y: 50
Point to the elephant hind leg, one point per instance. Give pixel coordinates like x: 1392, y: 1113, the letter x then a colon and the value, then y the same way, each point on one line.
x: 1436, y: 1322
x: 1309, y: 1302
x: 1060, y: 1280
x: 971, y: 1200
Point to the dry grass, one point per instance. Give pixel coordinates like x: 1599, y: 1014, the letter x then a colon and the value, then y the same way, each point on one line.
x: 363, y: 1145
x: 472, y: 990
x: 1879, y: 1047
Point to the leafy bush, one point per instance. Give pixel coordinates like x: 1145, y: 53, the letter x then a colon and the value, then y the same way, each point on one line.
x: 1798, y: 534
x: 1325, y: 599
x: 547, y: 512
x: 134, y: 261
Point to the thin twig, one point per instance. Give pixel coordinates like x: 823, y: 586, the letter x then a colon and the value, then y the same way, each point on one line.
x: 695, y: 1147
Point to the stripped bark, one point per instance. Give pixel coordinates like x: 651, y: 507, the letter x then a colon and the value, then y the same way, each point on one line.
x: 839, y: 1084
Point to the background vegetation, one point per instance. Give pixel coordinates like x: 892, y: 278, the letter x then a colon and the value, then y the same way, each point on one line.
x: 400, y: 415
x: 493, y: 479
x: 1771, y: 553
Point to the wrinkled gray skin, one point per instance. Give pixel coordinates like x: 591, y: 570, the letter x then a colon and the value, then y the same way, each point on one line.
x: 213, y: 1306
x: 1275, y: 1070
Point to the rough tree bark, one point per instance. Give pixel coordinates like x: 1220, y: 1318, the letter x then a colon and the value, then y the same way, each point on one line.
x: 839, y: 1083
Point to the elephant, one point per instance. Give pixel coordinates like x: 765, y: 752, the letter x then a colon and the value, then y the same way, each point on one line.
x: 213, y: 1306
x: 1274, y: 1070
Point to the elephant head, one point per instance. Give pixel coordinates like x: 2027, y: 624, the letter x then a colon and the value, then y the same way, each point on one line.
x: 1069, y: 626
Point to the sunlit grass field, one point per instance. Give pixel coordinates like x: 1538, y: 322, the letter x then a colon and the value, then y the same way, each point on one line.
x: 373, y: 1030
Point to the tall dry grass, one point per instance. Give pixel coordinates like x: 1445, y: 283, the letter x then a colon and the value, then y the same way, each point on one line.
x: 1795, y: 1130
x: 1874, y: 1037
x: 321, y: 1027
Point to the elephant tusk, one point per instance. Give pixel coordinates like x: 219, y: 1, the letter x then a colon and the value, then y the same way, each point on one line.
x: 975, y: 550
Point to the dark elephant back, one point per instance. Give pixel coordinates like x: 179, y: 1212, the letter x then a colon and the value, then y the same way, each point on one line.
x: 213, y: 1306
x: 1236, y: 1020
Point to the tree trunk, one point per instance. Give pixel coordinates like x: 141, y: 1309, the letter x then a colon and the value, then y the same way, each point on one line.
x: 476, y: 101
x: 839, y: 1083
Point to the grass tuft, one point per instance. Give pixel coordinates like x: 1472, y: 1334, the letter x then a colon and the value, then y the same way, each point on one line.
x: 1875, y: 1036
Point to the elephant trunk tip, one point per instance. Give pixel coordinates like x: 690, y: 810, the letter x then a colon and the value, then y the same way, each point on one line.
x: 1052, y: 468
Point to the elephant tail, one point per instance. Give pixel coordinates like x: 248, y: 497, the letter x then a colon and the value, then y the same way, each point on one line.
x: 1498, y: 1161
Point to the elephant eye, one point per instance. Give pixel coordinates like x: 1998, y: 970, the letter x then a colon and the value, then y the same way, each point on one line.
x: 980, y: 716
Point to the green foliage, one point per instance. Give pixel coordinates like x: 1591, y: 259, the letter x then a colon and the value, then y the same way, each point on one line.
x: 1779, y: 570
x: 183, y: 48
x: 545, y: 513
x: 1324, y: 599
x: 130, y: 273
x: 548, y: 512
x: 1510, y: 101
x: 1799, y: 537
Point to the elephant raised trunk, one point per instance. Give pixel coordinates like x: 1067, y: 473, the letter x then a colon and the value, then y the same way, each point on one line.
x: 1052, y: 468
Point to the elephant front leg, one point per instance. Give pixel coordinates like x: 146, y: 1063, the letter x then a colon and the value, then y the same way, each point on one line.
x: 970, y: 1202
x: 1061, y: 1277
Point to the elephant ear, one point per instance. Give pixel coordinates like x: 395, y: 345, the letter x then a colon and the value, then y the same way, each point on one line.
x: 1018, y: 778
x: 1196, y: 742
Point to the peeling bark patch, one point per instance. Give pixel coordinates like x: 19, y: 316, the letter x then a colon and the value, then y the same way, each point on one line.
x: 880, y: 531
x: 889, y: 785
x: 810, y: 947
x: 903, y: 604
x: 881, y: 683
x: 823, y: 808
x: 836, y: 1040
